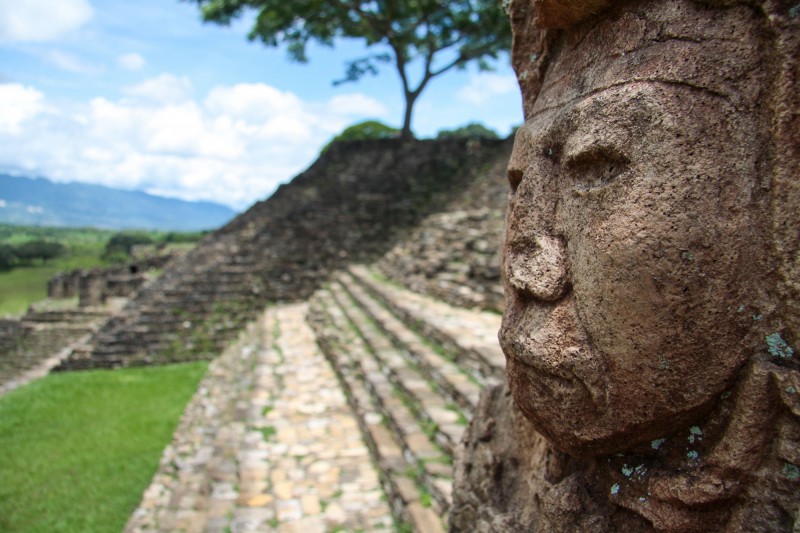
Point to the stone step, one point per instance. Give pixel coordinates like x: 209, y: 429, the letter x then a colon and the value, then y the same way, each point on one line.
x: 64, y: 316
x: 433, y: 409
x: 468, y: 336
x: 415, y: 473
x: 459, y: 385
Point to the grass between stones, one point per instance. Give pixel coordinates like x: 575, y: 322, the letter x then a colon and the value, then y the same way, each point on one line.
x: 78, y: 449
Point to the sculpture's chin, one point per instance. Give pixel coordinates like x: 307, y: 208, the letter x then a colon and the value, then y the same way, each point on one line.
x: 557, y: 380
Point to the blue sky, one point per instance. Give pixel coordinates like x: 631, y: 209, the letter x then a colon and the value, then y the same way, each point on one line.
x: 142, y: 95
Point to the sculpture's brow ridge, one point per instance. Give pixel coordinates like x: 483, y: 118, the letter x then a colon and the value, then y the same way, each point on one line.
x: 635, y: 81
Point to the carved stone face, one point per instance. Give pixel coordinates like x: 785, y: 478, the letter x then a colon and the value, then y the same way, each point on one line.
x: 630, y: 259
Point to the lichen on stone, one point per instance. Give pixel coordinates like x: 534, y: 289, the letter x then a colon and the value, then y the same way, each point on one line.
x: 778, y: 347
x: 791, y: 471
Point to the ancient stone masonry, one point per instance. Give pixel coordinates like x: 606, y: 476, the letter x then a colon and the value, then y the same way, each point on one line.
x: 93, y: 286
x: 351, y: 205
x: 63, y: 285
x: 650, y: 263
x: 33, y: 344
x: 454, y: 255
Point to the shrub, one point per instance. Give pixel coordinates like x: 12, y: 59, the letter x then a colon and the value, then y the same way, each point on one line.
x: 369, y: 129
x: 473, y: 129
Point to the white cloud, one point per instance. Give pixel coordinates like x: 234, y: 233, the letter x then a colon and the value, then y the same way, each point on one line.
x: 165, y: 89
x: 252, y: 101
x: 132, y: 61
x: 487, y: 85
x: 69, y: 62
x: 41, y: 20
x: 18, y: 103
x: 233, y: 146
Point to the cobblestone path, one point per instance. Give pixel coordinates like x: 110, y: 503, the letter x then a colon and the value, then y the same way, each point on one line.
x: 341, y: 414
x: 268, y: 443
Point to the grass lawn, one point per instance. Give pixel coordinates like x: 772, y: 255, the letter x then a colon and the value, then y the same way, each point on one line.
x: 78, y: 449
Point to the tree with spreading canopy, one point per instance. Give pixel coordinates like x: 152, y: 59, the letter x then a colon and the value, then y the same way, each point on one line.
x: 436, y: 36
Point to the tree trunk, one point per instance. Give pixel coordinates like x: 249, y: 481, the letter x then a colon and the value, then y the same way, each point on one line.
x: 406, y: 134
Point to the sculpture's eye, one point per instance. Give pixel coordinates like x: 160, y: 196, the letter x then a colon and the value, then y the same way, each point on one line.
x: 596, y: 167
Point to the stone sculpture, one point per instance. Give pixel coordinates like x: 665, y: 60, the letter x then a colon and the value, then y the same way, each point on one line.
x: 652, y: 271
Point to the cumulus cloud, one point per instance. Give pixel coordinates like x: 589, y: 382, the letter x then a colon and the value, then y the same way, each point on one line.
x: 132, y: 61
x: 254, y: 101
x: 18, y: 103
x: 233, y: 146
x: 486, y: 85
x: 41, y: 20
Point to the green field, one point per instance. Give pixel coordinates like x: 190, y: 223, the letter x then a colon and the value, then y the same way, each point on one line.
x: 78, y: 449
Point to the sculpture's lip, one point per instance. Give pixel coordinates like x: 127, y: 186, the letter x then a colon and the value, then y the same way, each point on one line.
x: 541, y: 366
x: 573, y: 366
x: 514, y: 333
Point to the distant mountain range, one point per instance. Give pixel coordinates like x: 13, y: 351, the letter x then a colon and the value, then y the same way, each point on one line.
x: 40, y: 202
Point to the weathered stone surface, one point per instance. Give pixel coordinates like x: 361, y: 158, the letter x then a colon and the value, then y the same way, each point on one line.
x: 116, y: 281
x: 651, y: 270
x: 266, y: 444
x: 40, y: 339
x: 454, y: 254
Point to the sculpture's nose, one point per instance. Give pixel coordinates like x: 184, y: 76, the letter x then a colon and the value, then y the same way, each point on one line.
x: 535, y: 259
x: 537, y: 267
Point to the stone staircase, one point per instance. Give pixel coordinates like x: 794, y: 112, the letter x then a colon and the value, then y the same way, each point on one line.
x: 412, y: 369
x: 31, y: 346
x: 279, y: 439
x: 189, y: 310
